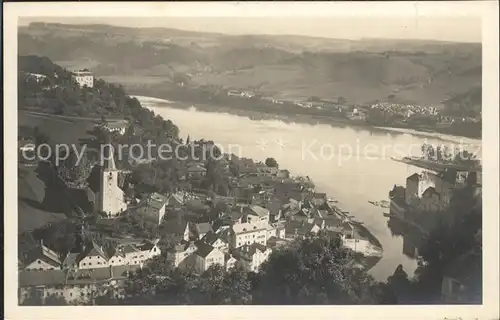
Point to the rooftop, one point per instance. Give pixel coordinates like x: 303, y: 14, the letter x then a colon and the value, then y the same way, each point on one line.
x: 204, y: 249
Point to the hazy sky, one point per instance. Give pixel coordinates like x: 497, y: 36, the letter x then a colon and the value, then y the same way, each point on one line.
x: 461, y: 29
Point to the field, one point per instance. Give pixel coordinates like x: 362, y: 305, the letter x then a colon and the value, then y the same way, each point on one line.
x: 31, y: 192
x: 285, y: 67
x: 34, y: 197
x: 61, y: 130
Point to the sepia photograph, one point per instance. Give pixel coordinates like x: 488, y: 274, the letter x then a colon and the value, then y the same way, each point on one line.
x: 183, y: 155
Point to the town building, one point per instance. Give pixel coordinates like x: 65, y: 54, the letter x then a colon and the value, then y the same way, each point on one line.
x: 248, y: 233
x: 181, y: 252
x: 264, y: 170
x: 111, y: 197
x: 256, y: 214
x: 83, y: 78
x: 39, y: 78
x: 196, y: 231
x: 207, y: 256
x: 92, y: 257
x: 250, y: 257
x: 119, y: 127
x: 42, y: 258
x: 216, y: 240
x: 153, y: 208
x: 135, y: 255
x: 75, y: 286
x: 196, y: 170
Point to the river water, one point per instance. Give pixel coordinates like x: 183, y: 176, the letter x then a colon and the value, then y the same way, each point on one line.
x: 352, y: 165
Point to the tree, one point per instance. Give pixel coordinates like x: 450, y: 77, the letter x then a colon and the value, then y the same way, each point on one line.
x: 271, y: 162
x: 341, y: 100
x: 317, y: 270
x: 53, y: 300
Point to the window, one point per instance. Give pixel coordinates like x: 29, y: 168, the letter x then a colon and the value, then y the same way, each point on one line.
x: 39, y: 262
x: 84, y: 263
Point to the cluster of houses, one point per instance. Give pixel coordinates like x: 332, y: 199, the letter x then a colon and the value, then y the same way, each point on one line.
x: 244, y: 240
x: 266, y: 209
x: 80, y: 276
x: 237, y: 93
x: 407, y: 110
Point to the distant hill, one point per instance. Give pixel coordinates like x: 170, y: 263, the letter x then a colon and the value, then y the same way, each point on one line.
x: 288, y: 67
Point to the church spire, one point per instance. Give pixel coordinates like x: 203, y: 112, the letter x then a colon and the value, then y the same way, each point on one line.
x: 187, y: 140
x: 109, y: 159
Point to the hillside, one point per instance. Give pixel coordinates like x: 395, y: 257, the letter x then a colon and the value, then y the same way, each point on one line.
x: 288, y: 67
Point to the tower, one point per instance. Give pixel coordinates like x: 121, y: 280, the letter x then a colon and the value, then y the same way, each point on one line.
x: 111, y: 199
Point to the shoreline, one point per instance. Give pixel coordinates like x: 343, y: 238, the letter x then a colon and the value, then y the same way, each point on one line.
x: 363, y: 231
x: 306, y: 119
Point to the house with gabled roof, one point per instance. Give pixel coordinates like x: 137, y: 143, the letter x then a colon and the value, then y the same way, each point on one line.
x: 153, y: 208
x: 134, y: 254
x: 249, y: 256
x: 92, y: 257
x: 181, y: 252
x: 42, y: 258
x: 216, y: 240
x: 207, y: 256
x: 256, y: 214
x: 196, y: 231
x: 299, y: 229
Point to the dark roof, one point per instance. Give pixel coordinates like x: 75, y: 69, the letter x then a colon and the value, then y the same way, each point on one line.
x: 258, y: 210
x: 299, y: 227
x: 274, y: 206
x: 397, y: 192
x: 247, y: 251
x: 93, y: 250
x: 146, y: 246
x: 210, y: 238
x: 414, y: 177
x: 204, y: 249
x: 203, y: 228
x: 60, y: 277
x: 38, y: 278
x: 43, y: 253
x: 429, y: 191
x: 71, y: 259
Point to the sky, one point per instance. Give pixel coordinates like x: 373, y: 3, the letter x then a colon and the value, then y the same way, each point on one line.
x: 451, y: 28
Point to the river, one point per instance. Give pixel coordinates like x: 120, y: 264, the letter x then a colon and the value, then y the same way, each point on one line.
x: 352, y: 165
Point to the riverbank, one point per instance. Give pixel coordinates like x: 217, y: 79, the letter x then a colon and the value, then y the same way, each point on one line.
x: 363, y: 232
x: 304, y: 118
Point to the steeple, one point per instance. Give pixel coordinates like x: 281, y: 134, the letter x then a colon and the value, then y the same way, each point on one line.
x: 109, y: 160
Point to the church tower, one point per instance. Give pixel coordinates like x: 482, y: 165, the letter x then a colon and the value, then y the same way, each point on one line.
x: 112, y: 199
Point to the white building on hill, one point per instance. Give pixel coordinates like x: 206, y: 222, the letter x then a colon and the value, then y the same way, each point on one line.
x: 84, y: 78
